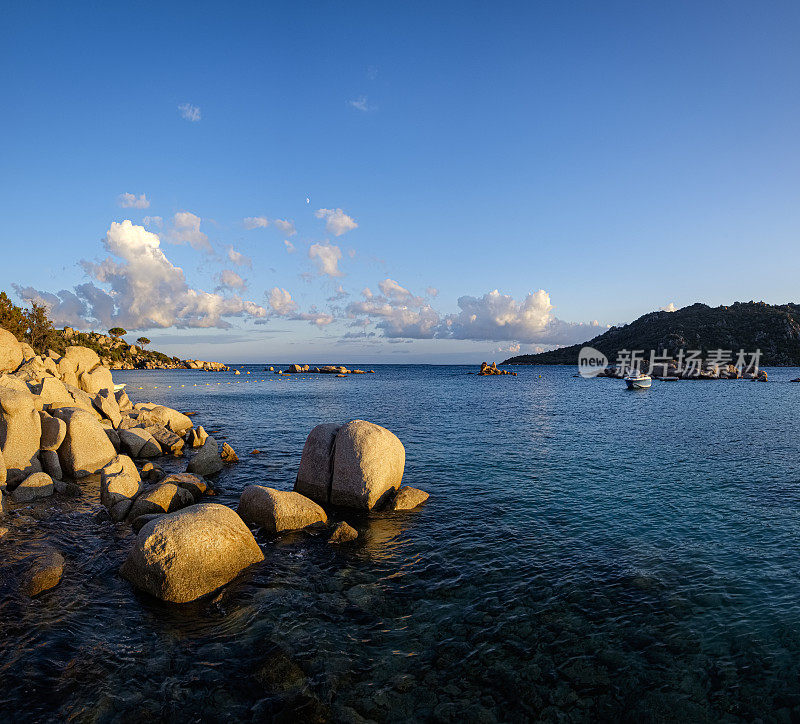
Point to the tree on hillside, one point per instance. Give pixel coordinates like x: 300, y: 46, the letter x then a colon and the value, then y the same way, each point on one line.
x: 117, y: 332
x: 143, y: 341
x: 39, y: 329
x: 12, y: 317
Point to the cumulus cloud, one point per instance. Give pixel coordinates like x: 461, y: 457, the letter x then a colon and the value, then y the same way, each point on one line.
x: 132, y: 201
x: 286, y: 226
x: 669, y: 308
x: 255, y: 222
x: 326, y: 256
x: 229, y: 279
x: 189, y: 112
x: 282, y: 305
x: 186, y: 230
x: 238, y: 258
x: 339, y: 294
x: 141, y: 289
x: 493, y: 317
x: 156, y: 221
x: 336, y: 221
x: 289, y: 246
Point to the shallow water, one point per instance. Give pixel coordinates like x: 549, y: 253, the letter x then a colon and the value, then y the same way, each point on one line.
x: 587, y: 553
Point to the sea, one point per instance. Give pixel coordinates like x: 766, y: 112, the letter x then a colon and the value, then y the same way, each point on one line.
x: 588, y: 553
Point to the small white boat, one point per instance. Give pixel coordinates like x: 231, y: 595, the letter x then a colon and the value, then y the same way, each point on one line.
x: 119, y: 387
x: 637, y: 380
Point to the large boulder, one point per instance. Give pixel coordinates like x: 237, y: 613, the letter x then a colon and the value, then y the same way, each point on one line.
x: 54, y: 431
x: 38, y: 485
x: 106, y: 404
x: 96, y: 380
x: 139, y: 443
x: 11, y: 355
x: 162, y: 498
x: 123, y: 400
x: 83, y: 359
x: 184, y: 556
x: 86, y: 448
x: 35, y: 369
x: 368, y: 465
x: 315, y: 473
x: 68, y: 371
x: 166, y: 416
x: 20, y: 433
x: 278, y: 510
x: 53, y: 392
x: 207, y: 460
x: 119, y: 482
x: 168, y: 440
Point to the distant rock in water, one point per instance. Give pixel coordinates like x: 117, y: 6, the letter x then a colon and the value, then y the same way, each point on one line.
x: 749, y: 326
x: 491, y: 369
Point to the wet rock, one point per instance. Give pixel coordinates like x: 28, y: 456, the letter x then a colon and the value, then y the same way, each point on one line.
x: 119, y: 481
x: 38, y: 485
x: 43, y: 573
x: 277, y: 673
x: 343, y: 533
x: 66, y: 488
x: 163, y: 498
x: 407, y: 498
x: 20, y: 434
x: 315, y: 473
x: 138, y: 523
x: 139, y: 443
x: 193, y: 483
x: 186, y: 555
x: 278, y: 510
x: 86, y: 447
x: 368, y: 465
x: 228, y: 454
x: 207, y: 460
x: 196, y: 437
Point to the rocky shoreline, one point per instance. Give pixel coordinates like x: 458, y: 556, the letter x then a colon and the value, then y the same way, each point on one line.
x: 62, y: 424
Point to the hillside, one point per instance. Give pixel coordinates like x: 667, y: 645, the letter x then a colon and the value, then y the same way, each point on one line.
x: 775, y: 330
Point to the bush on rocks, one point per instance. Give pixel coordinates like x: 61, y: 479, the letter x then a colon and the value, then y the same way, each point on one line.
x: 186, y: 555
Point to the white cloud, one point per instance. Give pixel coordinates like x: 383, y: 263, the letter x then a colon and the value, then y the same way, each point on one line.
x: 284, y: 306
x: 361, y: 103
x: 289, y: 246
x: 336, y: 221
x: 493, y: 317
x: 339, y: 294
x: 229, y: 279
x: 156, y: 221
x: 255, y: 222
x: 281, y: 302
x: 326, y: 256
x: 189, y: 112
x: 432, y: 292
x: 238, y: 258
x: 132, y: 201
x: 143, y: 290
x: 669, y: 308
x: 186, y: 230
x: 286, y: 226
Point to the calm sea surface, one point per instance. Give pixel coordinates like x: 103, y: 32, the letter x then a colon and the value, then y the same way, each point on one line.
x: 587, y: 553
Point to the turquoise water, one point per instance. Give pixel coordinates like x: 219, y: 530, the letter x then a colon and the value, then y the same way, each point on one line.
x: 587, y: 553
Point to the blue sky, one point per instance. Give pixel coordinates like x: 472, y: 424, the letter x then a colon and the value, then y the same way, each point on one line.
x: 617, y: 156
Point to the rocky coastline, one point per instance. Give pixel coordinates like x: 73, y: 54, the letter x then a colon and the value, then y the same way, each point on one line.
x: 64, y: 425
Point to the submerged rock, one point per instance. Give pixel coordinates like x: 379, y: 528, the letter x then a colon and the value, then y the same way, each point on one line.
x: 186, y: 555
x: 44, y: 573
x: 368, y: 465
x: 407, y: 498
x: 343, y: 533
x: 278, y: 510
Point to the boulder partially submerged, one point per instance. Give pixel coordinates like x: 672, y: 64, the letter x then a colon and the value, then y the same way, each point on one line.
x: 188, y: 554
x: 278, y: 510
